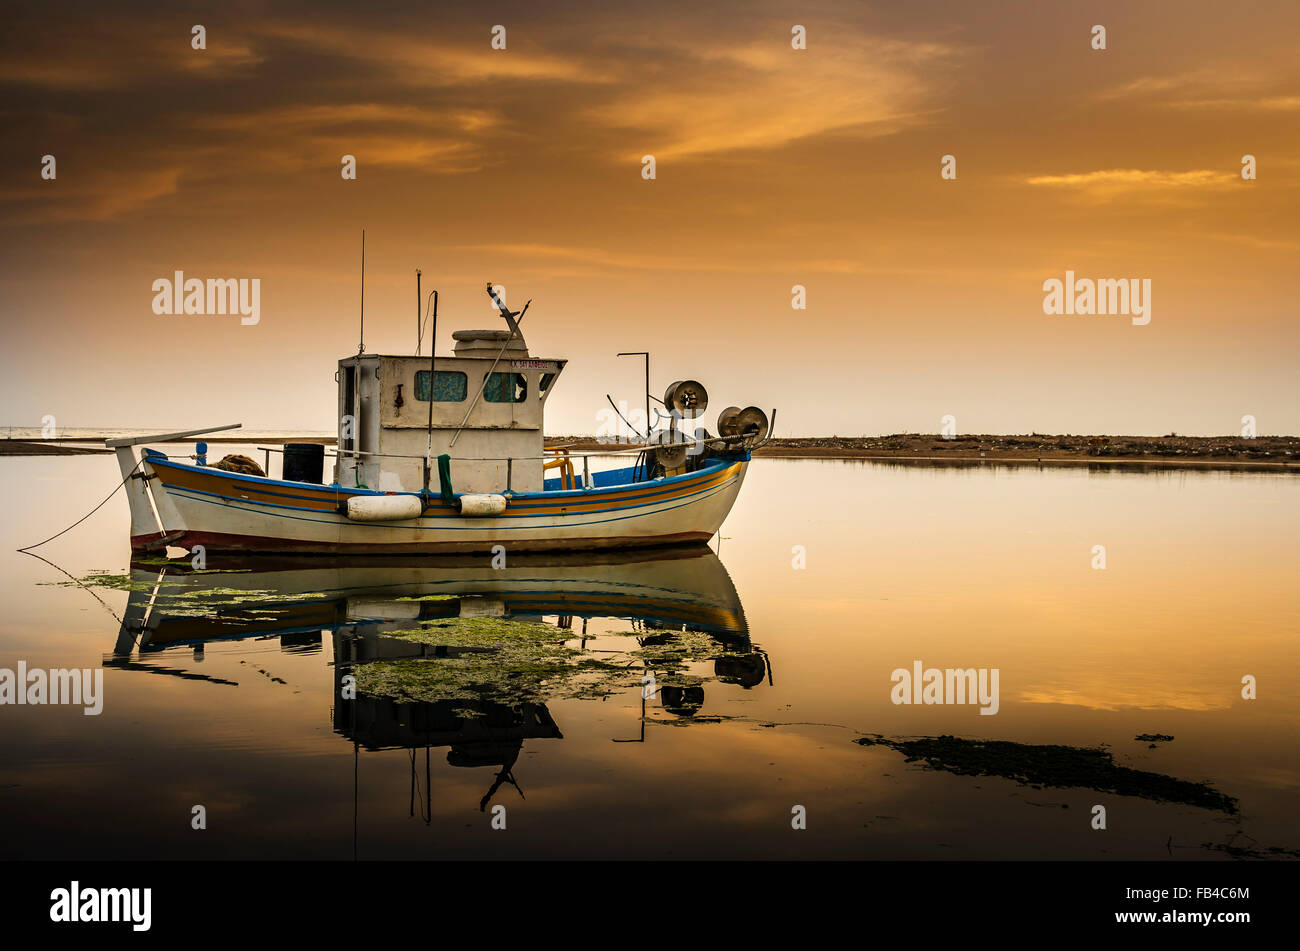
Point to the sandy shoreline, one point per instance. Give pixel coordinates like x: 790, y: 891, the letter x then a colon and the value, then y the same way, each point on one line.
x: 1226, y: 452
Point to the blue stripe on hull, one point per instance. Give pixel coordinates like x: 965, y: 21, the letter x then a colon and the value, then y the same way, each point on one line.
x: 211, y: 498
x: 659, y: 486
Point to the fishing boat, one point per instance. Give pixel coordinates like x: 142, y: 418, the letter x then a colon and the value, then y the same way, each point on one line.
x: 446, y: 454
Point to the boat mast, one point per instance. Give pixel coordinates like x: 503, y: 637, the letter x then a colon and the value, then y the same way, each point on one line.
x: 361, y: 347
x: 433, y: 349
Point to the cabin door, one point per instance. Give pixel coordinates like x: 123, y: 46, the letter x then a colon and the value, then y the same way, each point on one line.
x: 348, y: 407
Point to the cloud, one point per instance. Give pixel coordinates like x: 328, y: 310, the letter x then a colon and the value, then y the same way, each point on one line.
x: 99, y: 196
x: 592, y: 260
x: 436, y: 140
x: 419, y: 60
x: 1228, y: 86
x: 762, y: 95
x: 1259, y: 103
x: 120, y: 51
x: 284, y: 95
x: 1111, y: 182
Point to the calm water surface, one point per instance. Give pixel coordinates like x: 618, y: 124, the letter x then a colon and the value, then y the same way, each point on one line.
x: 224, y: 688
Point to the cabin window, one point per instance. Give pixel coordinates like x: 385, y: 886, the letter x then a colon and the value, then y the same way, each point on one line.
x: 544, y: 384
x: 505, y: 388
x: 449, y: 386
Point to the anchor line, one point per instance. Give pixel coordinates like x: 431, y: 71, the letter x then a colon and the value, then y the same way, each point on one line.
x: 28, y: 549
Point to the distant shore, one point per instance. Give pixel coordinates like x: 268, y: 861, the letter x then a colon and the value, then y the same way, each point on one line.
x: 1227, y: 452
x: 1230, y: 452
x: 1267, y: 452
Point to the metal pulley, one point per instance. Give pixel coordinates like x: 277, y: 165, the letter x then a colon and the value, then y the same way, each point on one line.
x: 729, y: 421
x: 670, y: 449
x: 688, y: 397
x: 751, y: 422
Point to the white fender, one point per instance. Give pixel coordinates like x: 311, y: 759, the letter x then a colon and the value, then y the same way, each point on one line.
x: 480, y: 505
x: 384, y: 508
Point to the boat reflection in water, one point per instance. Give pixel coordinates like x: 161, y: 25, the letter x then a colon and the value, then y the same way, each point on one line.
x: 451, y: 652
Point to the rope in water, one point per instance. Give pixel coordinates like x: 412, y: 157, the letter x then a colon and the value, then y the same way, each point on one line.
x: 77, y: 581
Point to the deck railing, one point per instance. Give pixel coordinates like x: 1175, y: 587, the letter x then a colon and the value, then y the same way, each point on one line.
x: 553, y: 457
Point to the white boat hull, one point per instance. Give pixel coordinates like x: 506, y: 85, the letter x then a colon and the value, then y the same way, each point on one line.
x: 225, y: 511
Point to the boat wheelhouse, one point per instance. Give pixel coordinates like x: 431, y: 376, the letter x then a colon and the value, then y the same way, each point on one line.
x: 484, y: 407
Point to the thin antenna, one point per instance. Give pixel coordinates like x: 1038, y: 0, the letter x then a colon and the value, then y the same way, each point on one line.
x: 361, y: 348
x: 419, y: 324
x: 433, y: 376
x: 433, y: 335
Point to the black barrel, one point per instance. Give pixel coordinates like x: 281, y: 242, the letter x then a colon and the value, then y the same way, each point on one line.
x: 304, y: 462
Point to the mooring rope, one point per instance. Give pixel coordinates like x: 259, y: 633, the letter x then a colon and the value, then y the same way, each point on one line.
x: 29, y: 548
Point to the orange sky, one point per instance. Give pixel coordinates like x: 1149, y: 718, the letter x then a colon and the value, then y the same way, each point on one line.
x: 775, y: 167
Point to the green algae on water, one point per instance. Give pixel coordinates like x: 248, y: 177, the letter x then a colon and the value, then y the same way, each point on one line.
x: 527, y: 661
x: 484, y: 632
